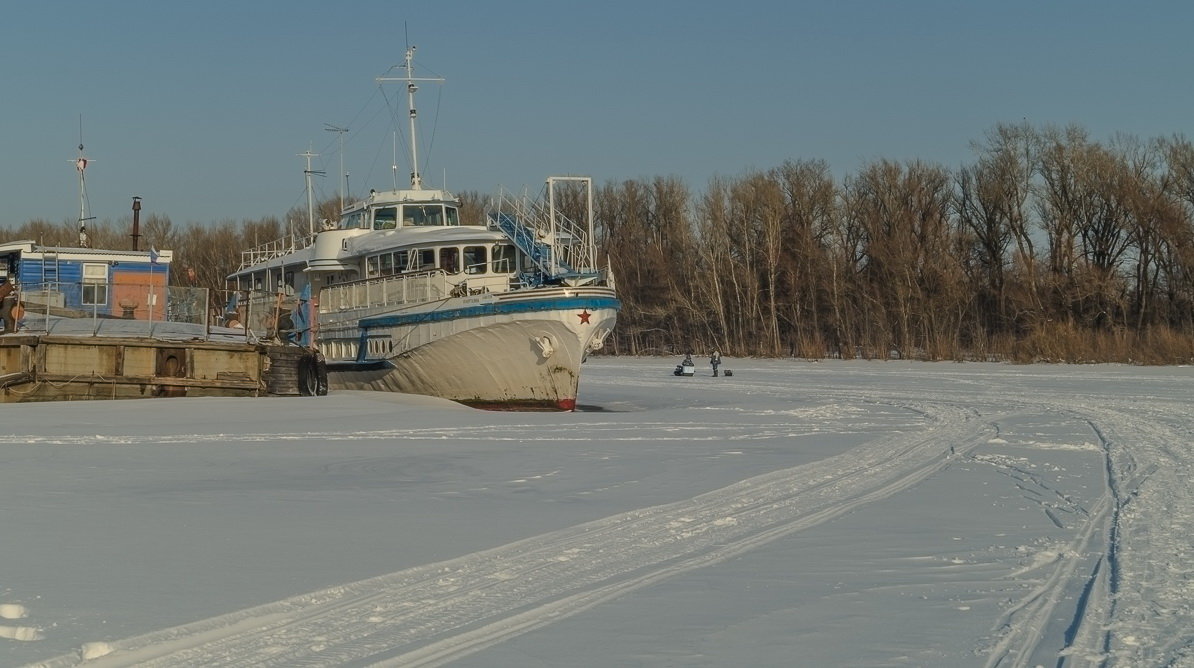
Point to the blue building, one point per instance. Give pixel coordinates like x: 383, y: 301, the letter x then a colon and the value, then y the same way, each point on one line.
x: 92, y: 281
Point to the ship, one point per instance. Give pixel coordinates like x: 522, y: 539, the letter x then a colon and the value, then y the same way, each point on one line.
x: 404, y: 293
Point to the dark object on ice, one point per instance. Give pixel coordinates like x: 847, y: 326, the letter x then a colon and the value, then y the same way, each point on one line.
x: 685, y: 368
x: 728, y: 373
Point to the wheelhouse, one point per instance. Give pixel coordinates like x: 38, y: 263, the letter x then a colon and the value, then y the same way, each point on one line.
x: 380, y: 214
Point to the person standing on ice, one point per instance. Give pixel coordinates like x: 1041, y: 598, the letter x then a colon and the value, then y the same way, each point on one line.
x: 715, y: 360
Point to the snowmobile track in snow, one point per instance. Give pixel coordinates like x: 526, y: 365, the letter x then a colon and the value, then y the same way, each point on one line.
x: 435, y: 613
x: 1119, y: 592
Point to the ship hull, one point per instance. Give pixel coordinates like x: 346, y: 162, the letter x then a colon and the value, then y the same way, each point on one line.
x: 515, y: 351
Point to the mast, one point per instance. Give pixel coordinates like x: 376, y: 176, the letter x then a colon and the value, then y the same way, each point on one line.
x: 416, y: 179
x: 80, y: 165
x: 307, y: 177
x: 343, y: 175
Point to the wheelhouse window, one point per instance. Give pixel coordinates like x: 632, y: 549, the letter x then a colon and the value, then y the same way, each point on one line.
x: 503, y: 259
x: 423, y: 215
x: 95, y: 284
x: 426, y: 259
x: 385, y: 218
x: 452, y: 214
x: 353, y: 221
x: 474, y: 259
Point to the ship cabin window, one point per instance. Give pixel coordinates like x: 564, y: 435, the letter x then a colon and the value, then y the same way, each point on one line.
x: 423, y: 215
x: 453, y: 215
x: 385, y: 218
x: 425, y: 259
x: 95, y: 283
x: 401, y: 261
x: 503, y: 259
x: 354, y: 221
x: 474, y: 260
x: 449, y: 260
x: 371, y: 266
x: 387, y: 264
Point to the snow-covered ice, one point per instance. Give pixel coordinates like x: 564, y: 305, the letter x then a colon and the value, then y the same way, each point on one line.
x: 794, y: 514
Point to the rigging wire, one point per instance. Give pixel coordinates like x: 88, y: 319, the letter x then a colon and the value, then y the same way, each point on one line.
x: 434, y: 126
x: 397, y: 125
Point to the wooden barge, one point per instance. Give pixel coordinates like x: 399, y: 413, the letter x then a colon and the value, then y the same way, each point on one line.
x: 46, y: 367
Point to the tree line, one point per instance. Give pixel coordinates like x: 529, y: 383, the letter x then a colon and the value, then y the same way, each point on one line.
x: 1049, y: 245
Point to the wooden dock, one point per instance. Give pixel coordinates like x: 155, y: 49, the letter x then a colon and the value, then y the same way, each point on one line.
x: 45, y: 367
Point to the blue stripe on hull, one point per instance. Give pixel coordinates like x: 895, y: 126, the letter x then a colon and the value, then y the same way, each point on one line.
x: 556, y: 304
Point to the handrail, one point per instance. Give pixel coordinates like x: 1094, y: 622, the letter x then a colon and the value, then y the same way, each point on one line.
x: 272, y: 249
x: 43, y: 303
x: 396, y: 290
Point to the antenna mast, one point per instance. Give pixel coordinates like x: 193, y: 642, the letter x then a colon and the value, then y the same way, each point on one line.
x: 343, y: 175
x: 80, y: 165
x: 416, y: 179
x: 310, y: 202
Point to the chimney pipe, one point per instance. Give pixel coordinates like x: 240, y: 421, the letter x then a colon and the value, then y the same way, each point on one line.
x: 136, y: 235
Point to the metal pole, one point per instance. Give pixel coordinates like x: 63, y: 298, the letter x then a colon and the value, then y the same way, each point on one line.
x: 343, y: 176
x: 310, y: 202
x: 136, y: 223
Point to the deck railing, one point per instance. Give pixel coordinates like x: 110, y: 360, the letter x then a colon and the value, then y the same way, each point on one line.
x: 127, y: 309
x: 275, y: 248
x: 386, y: 291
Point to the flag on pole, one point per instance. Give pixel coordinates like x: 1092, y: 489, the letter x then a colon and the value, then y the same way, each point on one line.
x: 153, y: 255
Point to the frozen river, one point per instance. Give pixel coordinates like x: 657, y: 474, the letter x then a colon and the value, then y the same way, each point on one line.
x: 796, y: 513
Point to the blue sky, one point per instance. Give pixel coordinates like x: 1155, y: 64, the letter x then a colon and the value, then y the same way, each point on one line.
x: 201, y: 108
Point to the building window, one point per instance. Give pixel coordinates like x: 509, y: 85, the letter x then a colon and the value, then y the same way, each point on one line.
x: 95, y: 284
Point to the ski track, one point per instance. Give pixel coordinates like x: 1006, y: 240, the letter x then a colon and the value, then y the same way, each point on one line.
x: 1133, y: 606
x: 432, y: 614
x: 1121, y: 589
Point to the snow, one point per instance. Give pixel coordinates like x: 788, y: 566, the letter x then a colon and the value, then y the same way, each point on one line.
x: 796, y: 513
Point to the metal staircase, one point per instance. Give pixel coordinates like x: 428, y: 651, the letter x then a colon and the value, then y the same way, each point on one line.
x: 561, y: 249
